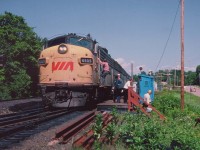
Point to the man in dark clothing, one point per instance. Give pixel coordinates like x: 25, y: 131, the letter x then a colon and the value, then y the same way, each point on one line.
x: 118, y: 85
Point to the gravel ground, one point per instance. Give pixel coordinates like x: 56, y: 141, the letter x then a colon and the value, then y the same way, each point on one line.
x: 193, y: 89
x: 19, y: 105
x: 39, y: 137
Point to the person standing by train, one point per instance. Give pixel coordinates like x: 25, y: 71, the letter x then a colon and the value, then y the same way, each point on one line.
x: 128, y: 84
x: 106, y: 69
x: 118, y: 86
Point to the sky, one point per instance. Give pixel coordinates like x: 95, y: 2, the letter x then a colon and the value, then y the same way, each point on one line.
x: 133, y: 31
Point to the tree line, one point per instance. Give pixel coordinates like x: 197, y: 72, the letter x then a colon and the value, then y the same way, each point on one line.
x: 173, y: 77
x: 20, y: 46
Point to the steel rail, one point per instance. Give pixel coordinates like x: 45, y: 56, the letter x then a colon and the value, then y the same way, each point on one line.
x: 11, y: 129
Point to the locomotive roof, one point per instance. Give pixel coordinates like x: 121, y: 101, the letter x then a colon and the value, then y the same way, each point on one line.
x: 88, y: 37
x: 65, y: 39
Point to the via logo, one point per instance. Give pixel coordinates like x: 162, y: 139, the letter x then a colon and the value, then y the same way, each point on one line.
x: 62, y: 66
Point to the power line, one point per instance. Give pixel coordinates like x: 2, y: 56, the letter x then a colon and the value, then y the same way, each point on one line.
x: 168, y: 36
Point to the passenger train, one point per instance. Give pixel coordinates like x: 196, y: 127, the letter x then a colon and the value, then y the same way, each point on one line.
x: 70, y: 73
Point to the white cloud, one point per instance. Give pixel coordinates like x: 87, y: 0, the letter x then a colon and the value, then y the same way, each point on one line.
x: 190, y: 69
x: 126, y: 64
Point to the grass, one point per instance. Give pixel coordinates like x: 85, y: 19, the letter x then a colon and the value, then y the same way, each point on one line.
x: 176, y: 132
x: 191, y: 101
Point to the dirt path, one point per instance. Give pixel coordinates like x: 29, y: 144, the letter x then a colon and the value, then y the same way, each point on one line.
x: 193, y: 89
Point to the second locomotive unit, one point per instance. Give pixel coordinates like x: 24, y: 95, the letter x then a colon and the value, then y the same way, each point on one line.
x: 70, y: 72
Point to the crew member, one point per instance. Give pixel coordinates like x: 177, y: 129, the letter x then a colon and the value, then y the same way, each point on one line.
x: 106, y: 68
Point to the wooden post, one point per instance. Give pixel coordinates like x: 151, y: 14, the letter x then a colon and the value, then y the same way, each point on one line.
x: 129, y: 99
x: 182, y: 55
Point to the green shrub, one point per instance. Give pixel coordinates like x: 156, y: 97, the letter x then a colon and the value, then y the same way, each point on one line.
x: 98, y: 126
x: 176, y: 132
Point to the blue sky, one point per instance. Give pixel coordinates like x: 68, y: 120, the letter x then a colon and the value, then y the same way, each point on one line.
x: 134, y: 31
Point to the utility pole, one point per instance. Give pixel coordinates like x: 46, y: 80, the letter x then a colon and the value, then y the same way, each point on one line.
x: 159, y: 80
x: 174, y: 77
x: 182, y: 55
x: 131, y: 70
x: 168, y: 74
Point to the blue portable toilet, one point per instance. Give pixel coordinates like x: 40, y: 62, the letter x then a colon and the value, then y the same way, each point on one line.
x: 146, y: 83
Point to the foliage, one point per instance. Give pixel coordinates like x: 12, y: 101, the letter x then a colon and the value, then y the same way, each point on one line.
x: 176, y: 132
x: 110, y: 132
x: 98, y: 129
x: 192, y: 102
x: 166, y: 102
x: 135, y: 78
x: 190, y: 77
x: 21, y: 46
x: 138, y: 132
x: 97, y: 145
x: 114, y: 115
x: 111, y: 128
x: 98, y: 126
x: 198, y: 75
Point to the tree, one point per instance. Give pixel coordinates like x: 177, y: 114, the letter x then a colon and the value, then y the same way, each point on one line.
x: 190, y: 78
x: 135, y: 78
x: 21, y: 48
x: 198, y: 75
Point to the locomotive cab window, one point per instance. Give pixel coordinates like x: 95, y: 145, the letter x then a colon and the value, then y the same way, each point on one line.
x: 56, y: 41
x: 81, y: 42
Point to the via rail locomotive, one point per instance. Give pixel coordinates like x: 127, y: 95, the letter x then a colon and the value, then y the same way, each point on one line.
x: 70, y: 73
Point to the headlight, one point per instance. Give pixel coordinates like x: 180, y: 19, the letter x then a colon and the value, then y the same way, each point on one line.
x: 43, y: 61
x: 62, y: 49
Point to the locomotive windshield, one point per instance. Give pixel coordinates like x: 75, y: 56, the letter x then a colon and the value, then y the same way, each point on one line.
x: 81, y: 42
x: 71, y: 39
x: 56, y: 41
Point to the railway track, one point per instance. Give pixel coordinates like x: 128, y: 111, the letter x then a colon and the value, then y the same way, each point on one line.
x: 14, y: 126
x: 73, y: 128
x: 18, y: 126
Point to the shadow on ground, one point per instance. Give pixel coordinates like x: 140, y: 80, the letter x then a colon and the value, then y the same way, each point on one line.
x: 25, y: 106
